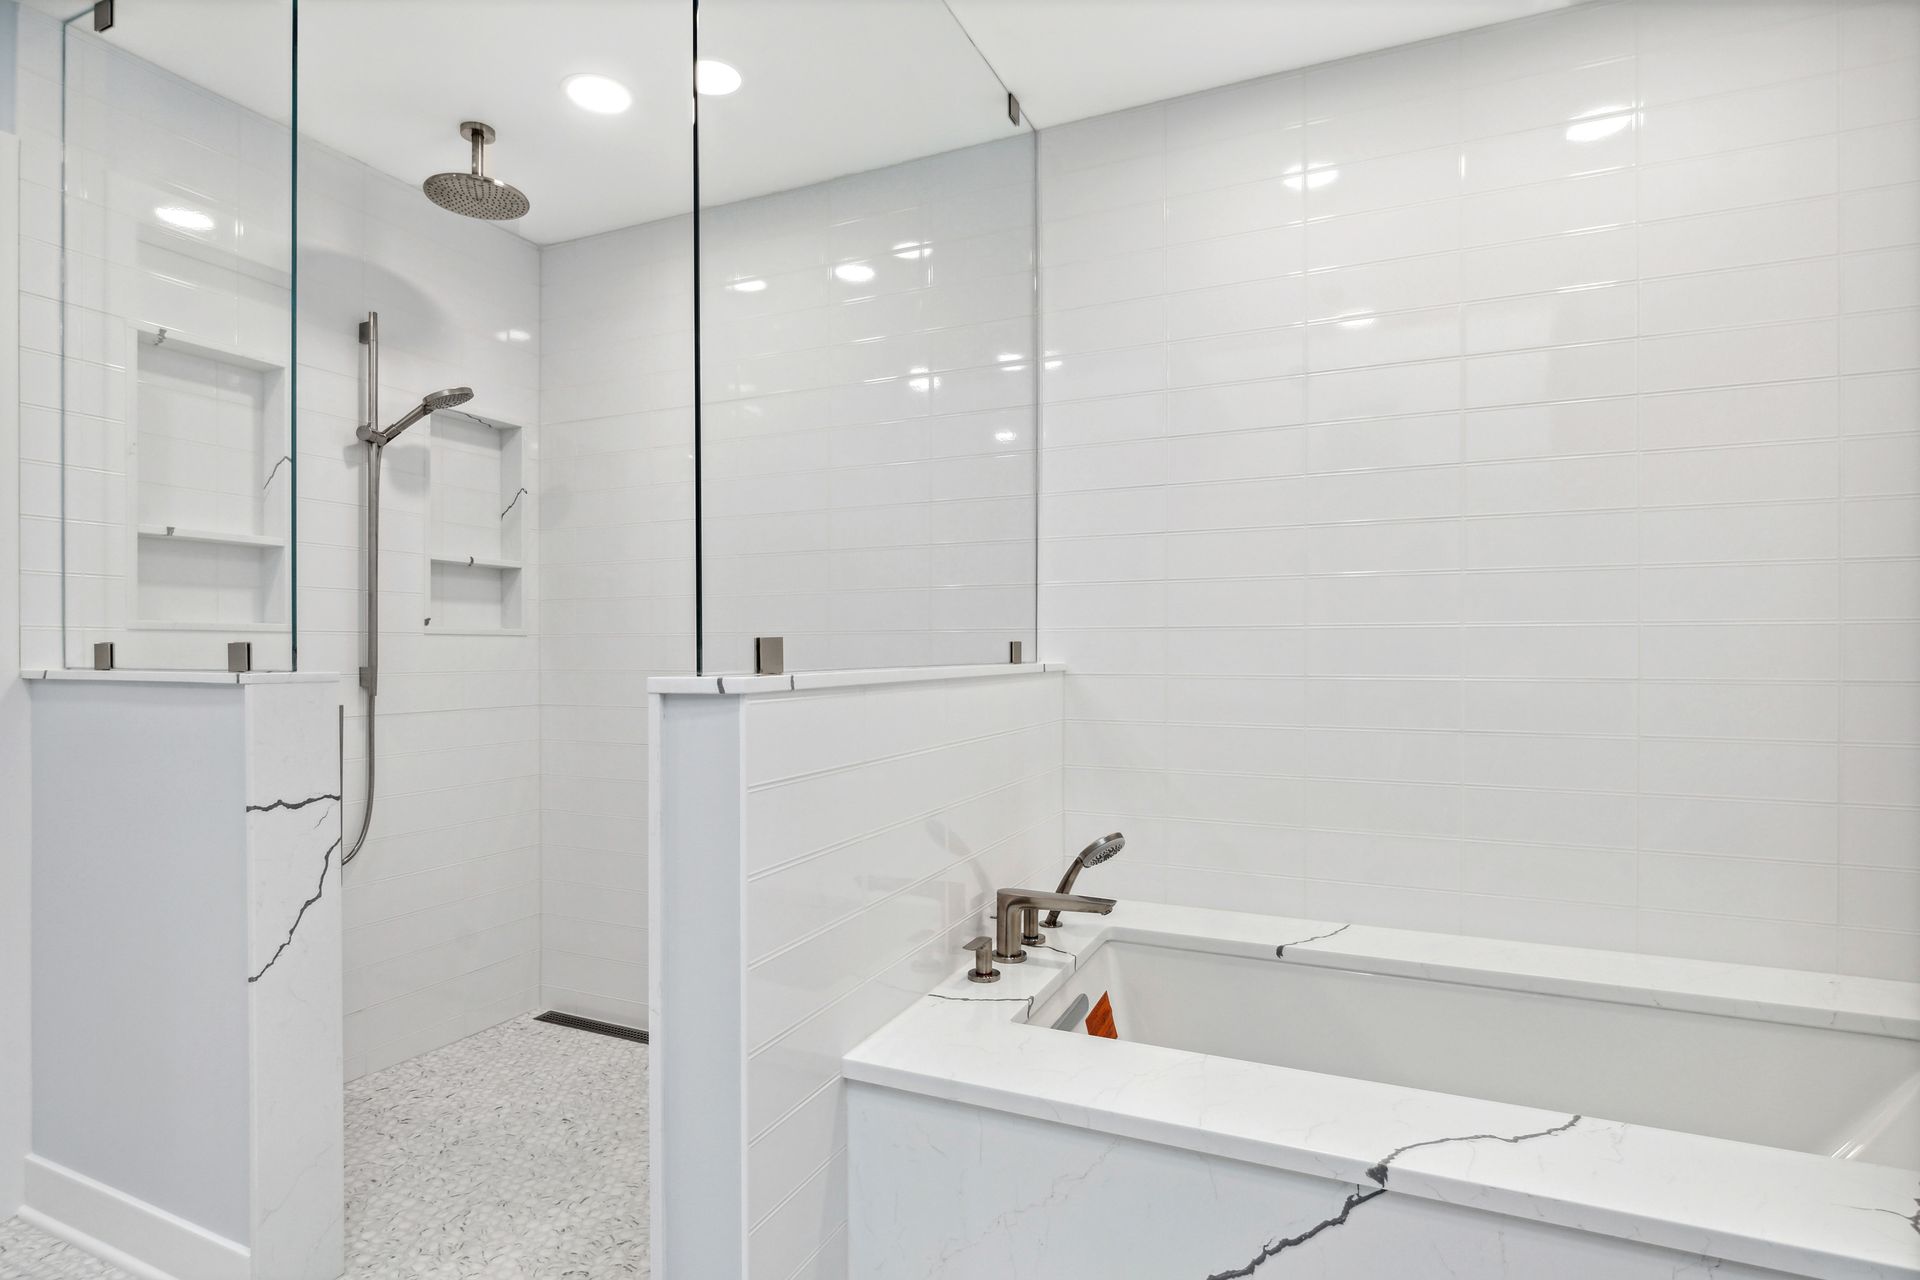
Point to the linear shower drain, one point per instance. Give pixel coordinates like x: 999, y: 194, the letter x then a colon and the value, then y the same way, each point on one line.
x: 594, y: 1025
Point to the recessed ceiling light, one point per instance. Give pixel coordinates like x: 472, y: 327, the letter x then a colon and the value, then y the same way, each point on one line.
x: 184, y: 219
x: 715, y: 79
x: 598, y: 94
x: 752, y: 284
x: 853, y: 272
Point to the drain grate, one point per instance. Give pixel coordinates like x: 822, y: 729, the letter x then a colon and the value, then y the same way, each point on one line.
x: 594, y: 1025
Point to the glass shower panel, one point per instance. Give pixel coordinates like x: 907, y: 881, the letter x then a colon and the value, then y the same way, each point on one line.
x: 177, y: 353
x: 534, y: 561
x: 868, y: 354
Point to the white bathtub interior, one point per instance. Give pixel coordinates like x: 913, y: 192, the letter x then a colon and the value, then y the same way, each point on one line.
x: 1804, y: 1088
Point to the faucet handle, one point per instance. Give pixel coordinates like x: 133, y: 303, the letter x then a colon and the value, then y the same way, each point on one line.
x: 1030, y: 935
x: 983, y: 970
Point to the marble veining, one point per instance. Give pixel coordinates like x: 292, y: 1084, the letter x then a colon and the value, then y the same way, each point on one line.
x: 320, y: 888
x: 1359, y: 1196
x: 271, y: 805
x: 944, y: 1191
x: 1280, y: 952
x: 1733, y: 1202
x: 326, y: 865
x: 294, y: 970
x: 1025, y: 1000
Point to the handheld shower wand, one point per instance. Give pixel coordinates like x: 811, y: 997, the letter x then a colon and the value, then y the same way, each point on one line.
x: 377, y: 441
x: 1091, y: 856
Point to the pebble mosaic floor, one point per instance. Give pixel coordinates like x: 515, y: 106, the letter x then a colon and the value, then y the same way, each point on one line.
x: 519, y: 1153
x: 27, y: 1253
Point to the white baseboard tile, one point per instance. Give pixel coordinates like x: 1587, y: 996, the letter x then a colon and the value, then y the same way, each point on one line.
x: 130, y: 1234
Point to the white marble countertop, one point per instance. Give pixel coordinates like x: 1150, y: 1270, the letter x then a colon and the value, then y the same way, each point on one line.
x: 134, y: 676
x: 1763, y: 1206
x: 800, y: 681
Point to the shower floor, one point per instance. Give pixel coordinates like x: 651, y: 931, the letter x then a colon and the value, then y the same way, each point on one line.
x: 519, y: 1153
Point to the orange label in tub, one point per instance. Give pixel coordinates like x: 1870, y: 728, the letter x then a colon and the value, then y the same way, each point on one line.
x: 1100, y: 1021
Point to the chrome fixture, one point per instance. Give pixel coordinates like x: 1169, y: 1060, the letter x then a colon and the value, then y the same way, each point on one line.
x: 1091, y: 856
x: 1014, y: 911
x: 983, y: 970
x: 377, y: 441
x: 474, y: 194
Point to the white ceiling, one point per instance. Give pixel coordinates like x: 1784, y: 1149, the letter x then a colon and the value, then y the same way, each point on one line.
x: 1070, y: 59
x: 838, y: 86
x: 389, y: 81
x: 830, y: 86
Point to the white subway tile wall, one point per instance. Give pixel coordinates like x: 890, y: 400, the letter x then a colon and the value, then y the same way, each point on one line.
x: 879, y: 821
x: 1481, y: 491
x: 879, y: 535
x: 867, y: 372
x: 175, y: 222
x: 1481, y: 484
x: 442, y: 908
x: 616, y: 391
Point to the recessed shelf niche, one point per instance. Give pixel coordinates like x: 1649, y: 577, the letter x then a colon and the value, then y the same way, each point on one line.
x: 212, y: 473
x: 477, y: 511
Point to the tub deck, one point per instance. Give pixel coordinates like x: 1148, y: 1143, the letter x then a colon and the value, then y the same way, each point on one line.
x: 1311, y: 1110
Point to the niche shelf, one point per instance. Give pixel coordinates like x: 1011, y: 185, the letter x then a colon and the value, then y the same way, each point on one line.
x: 476, y: 517
x: 479, y: 562
x: 210, y: 535
x: 209, y: 472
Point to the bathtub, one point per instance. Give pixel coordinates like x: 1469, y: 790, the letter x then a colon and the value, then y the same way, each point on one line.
x: 1300, y: 1097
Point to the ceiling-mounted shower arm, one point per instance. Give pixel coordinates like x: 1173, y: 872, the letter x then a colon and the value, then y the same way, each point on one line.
x: 477, y: 193
x: 481, y: 136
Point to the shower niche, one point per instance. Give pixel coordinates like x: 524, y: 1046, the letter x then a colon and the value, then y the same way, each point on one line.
x: 210, y: 475
x: 477, y: 500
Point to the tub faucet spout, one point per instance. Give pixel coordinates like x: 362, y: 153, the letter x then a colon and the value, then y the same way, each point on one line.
x: 1015, y: 917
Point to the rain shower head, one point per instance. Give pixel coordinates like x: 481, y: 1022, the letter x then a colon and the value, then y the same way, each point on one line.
x: 474, y: 194
x: 432, y: 402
